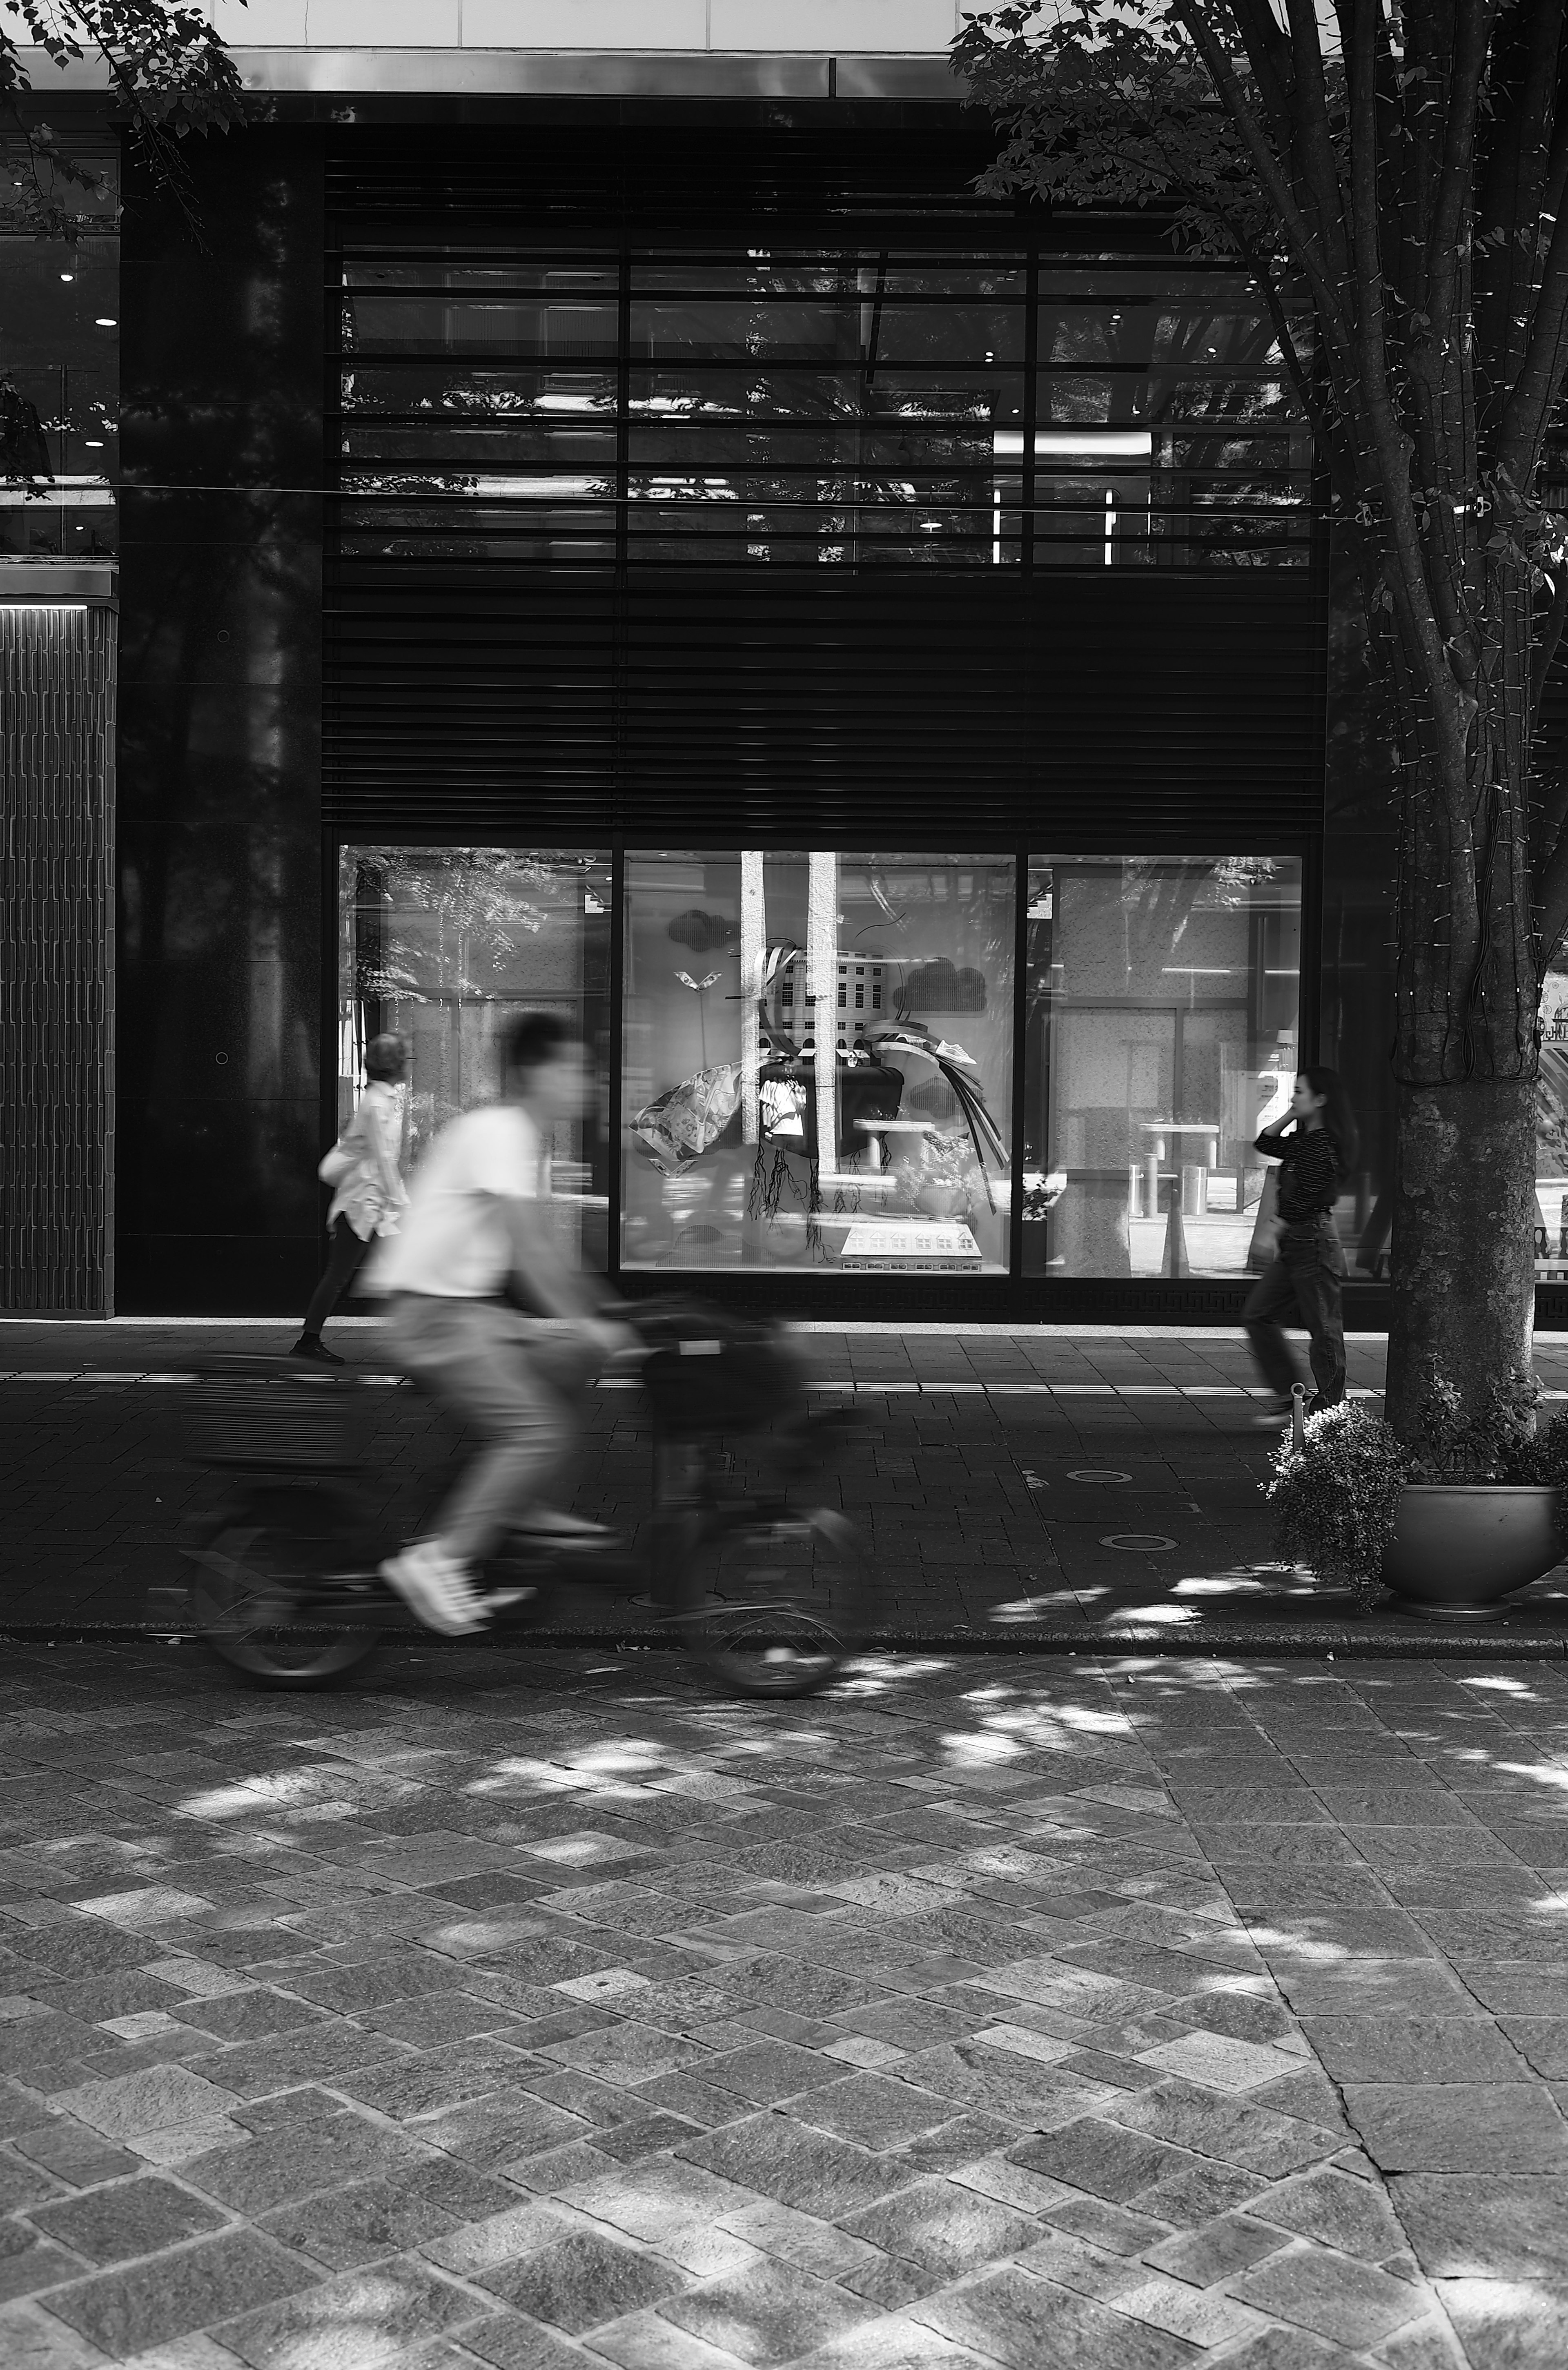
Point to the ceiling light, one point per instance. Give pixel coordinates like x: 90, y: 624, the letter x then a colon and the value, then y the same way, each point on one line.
x: 106, y: 321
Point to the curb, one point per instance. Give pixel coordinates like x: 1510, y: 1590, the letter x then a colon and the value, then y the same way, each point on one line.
x: 1346, y: 1643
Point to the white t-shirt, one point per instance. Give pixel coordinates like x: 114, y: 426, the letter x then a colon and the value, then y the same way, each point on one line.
x: 451, y: 1239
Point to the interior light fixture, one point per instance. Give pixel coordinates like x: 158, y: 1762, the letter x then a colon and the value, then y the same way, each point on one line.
x: 106, y: 321
x: 67, y: 275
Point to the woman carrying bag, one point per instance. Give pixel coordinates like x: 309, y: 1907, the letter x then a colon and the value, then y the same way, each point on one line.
x: 1316, y: 1146
x: 370, y: 1195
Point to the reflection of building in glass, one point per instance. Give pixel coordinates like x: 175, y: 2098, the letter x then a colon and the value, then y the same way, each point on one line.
x: 1163, y: 1015
x: 443, y: 946
x: 850, y: 409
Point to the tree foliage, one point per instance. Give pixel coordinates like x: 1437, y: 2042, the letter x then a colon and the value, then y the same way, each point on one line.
x: 1398, y: 167
x: 168, y: 75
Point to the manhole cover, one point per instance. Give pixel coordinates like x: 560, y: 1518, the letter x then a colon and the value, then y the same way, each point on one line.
x: 1096, y: 1473
x: 1137, y: 1542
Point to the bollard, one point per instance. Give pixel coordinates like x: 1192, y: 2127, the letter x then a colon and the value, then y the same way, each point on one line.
x: 1299, y: 1415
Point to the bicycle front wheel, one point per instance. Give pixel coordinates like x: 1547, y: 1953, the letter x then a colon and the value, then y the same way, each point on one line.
x: 775, y: 1607
x: 265, y: 1601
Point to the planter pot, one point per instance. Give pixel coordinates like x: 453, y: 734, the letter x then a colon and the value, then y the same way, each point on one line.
x: 1457, y: 1549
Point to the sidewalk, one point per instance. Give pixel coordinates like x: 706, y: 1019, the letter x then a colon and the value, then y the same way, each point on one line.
x: 1106, y: 2015
x: 1023, y: 1489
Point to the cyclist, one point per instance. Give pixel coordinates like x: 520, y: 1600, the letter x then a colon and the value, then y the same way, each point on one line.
x: 474, y: 1227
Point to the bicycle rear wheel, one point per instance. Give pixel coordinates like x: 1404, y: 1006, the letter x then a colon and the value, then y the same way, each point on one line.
x: 775, y: 1607
x: 265, y: 1599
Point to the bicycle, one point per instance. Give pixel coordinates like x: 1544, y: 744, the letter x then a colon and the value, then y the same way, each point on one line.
x: 772, y: 1598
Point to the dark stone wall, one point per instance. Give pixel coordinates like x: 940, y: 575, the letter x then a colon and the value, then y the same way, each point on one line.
x: 220, y: 865
x: 56, y: 800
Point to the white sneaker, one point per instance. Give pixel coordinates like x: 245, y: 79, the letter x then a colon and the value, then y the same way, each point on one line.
x: 437, y: 1587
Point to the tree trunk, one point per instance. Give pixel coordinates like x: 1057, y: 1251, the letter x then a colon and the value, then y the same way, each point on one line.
x: 1464, y: 1241
x: 1466, y: 1045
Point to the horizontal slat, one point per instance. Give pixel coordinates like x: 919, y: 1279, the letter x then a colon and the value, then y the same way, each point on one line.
x: 1170, y: 705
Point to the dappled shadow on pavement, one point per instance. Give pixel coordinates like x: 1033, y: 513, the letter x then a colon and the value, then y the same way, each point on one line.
x: 985, y: 2011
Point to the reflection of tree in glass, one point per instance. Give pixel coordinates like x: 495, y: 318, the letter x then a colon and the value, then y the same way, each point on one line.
x: 475, y: 911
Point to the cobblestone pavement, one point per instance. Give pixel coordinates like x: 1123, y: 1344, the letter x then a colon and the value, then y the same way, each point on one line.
x: 1038, y: 1482
x: 550, y: 2013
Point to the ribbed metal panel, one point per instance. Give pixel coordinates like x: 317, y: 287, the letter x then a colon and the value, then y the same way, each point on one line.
x: 1141, y: 712
x: 56, y: 807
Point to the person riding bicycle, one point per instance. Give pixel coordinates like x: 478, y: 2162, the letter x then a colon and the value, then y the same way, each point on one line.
x: 474, y: 1227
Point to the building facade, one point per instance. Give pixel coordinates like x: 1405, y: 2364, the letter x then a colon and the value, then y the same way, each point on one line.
x: 630, y: 532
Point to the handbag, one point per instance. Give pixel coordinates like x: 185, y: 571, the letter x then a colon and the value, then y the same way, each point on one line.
x: 335, y: 1165
x: 1263, y: 1247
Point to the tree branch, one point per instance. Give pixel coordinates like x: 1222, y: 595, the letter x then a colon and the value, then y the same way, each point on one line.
x: 1223, y: 74
x: 1536, y: 390
x: 1476, y: 19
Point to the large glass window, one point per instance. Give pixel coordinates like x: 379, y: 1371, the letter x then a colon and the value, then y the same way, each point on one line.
x: 818, y: 1061
x: 1162, y: 998
x: 442, y: 946
x: 812, y: 405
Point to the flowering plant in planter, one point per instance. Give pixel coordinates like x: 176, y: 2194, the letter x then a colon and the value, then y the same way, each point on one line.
x: 1336, y: 1498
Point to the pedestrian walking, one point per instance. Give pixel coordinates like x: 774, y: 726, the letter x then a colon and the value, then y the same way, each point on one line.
x: 1316, y: 1145
x: 370, y: 1195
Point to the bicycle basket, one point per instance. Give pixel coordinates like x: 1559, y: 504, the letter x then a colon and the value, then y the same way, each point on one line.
x: 276, y: 1414
x: 709, y: 1372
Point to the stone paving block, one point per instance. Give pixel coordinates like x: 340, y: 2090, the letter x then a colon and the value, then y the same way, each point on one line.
x: 159, y: 2098
x: 1034, y: 2096
x: 779, y: 2157
x: 1349, y: 2302
x: 68, y: 2151
x: 943, y: 2228
x: 771, y: 2313
x: 1458, y: 2126
x: 358, y: 2224
x: 29, y: 2264
x: 512, y: 2342
x: 499, y: 2130
x: 129, y: 2217
x: 31, y: 2339
x: 1231, y: 2243
x: 280, y: 2167
x: 578, y: 2282
x: 1491, y: 2226
x: 1104, y: 2158
x: 124, y: 2313
x: 1032, y: 2324
x: 1412, y: 2049
x: 366, y: 2317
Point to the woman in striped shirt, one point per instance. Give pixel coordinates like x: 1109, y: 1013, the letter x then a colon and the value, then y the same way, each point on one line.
x: 1315, y: 1148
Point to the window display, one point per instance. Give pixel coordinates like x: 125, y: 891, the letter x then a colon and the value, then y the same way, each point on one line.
x: 443, y: 946
x: 1162, y: 997
x: 818, y: 1061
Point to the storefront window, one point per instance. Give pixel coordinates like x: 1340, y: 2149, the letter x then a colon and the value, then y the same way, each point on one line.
x: 818, y: 1061
x: 443, y: 946
x: 1162, y: 1000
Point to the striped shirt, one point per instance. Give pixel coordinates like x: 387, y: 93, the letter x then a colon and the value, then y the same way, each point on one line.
x: 1308, y: 1175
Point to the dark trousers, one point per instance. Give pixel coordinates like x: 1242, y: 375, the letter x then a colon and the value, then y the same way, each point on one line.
x: 1305, y: 1281
x: 343, y: 1263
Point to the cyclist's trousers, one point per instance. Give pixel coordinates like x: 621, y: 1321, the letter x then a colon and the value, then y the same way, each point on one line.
x: 519, y: 1382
